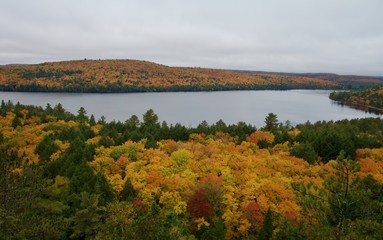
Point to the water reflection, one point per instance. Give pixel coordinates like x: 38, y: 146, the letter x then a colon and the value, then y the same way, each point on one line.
x: 366, y: 109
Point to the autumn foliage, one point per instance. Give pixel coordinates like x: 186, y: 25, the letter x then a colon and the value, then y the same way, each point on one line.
x: 370, y: 99
x: 134, y: 75
x: 199, y: 206
x: 208, y: 185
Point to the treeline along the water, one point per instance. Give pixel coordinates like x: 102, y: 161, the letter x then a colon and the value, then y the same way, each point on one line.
x: 371, y: 98
x: 81, y: 87
x: 73, y: 176
x: 124, y: 76
x: 121, y: 76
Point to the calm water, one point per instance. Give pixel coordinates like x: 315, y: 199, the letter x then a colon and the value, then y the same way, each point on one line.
x: 191, y: 108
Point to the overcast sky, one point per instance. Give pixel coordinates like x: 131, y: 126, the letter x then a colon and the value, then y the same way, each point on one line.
x: 339, y: 36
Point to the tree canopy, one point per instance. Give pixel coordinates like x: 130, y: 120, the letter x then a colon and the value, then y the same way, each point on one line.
x: 66, y: 176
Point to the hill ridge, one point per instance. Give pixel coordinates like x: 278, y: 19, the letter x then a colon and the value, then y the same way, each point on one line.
x: 129, y: 75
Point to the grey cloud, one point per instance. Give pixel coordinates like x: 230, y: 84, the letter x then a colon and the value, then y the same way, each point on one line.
x: 341, y: 36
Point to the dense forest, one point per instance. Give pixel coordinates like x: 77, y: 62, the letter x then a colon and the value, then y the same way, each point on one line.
x: 370, y: 99
x: 70, y: 176
x: 344, y: 81
x: 103, y: 76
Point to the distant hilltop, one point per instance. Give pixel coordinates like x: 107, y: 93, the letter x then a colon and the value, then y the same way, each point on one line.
x: 115, y: 76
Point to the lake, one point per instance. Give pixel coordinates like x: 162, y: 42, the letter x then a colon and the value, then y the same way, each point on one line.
x: 191, y: 108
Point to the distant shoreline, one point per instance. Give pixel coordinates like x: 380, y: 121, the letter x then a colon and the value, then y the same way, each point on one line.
x: 160, y: 89
x: 125, y: 76
x: 359, y: 106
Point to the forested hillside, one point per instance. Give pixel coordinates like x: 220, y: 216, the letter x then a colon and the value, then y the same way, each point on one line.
x: 370, y: 99
x: 66, y: 176
x: 142, y: 76
x: 343, y: 81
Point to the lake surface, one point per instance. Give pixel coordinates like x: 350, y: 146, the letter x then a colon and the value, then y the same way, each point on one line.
x: 191, y: 108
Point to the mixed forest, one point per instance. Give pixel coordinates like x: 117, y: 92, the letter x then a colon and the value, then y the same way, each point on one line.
x: 370, y: 99
x: 106, y: 76
x: 71, y: 176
